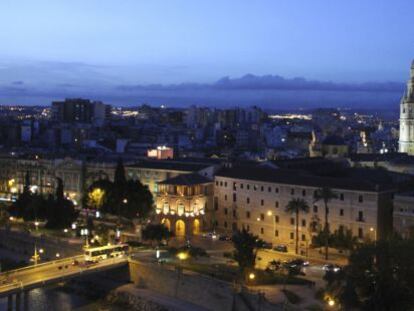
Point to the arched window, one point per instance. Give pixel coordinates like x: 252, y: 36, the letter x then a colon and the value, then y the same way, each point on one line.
x: 180, y: 208
x: 196, y: 207
x: 166, y: 208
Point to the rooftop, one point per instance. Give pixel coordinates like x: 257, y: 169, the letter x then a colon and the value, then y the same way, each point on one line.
x: 186, y: 180
x: 334, y: 140
x: 347, y: 178
x: 170, y: 165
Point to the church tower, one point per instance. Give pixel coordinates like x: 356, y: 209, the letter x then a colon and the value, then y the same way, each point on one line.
x: 406, y: 143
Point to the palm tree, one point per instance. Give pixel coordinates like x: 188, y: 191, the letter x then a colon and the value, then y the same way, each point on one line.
x: 294, y: 207
x: 325, y: 194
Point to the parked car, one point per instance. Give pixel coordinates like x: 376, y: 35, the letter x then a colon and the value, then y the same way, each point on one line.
x: 267, y: 245
x: 273, y: 265
x: 211, y: 235
x: 225, y: 238
x: 281, y: 248
x: 299, y: 262
x: 331, y: 267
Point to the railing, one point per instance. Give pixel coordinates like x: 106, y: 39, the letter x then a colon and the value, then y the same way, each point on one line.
x: 44, y: 264
x: 16, y: 284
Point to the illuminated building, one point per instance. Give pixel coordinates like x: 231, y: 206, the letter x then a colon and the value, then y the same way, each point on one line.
x: 182, y: 203
x: 406, y: 142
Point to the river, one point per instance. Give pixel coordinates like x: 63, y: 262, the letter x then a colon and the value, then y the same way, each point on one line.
x: 59, y: 298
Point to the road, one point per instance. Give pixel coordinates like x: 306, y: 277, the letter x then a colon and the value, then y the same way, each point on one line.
x: 216, y: 248
x: 54, y: 271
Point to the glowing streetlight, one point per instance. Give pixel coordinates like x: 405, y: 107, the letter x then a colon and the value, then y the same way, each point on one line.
x: 374, y: 232
x: 182, y: 256
x: 74, y: 226
x: 258, y: 219
x: 125, y: 201
x: 269, y: 213
x: 57, y: 255
x: 84, y: 232
x: 65, y: 230
x: 41, y: 251
x: 331, y: 302
x: 252, y: 276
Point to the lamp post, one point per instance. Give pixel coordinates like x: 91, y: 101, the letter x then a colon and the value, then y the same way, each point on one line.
x: 84, y: 232
x: 374, y: 232
x: 36, y: 256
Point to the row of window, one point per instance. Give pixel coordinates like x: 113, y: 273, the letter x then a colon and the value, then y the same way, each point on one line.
x: 341, y: 196
x: 315, y: 210
x: 276, y: 233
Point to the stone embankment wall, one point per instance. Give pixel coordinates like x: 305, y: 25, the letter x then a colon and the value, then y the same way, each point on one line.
x: 22, y: 244
x: 204, y: 291
x: 133, y: 302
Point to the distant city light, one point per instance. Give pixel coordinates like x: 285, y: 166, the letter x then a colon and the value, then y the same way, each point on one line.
x: 291, y: 116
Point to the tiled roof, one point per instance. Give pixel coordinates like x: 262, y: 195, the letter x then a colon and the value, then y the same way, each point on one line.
x: 170, y: 165
x: 186, y: 180
x: 349, y: 179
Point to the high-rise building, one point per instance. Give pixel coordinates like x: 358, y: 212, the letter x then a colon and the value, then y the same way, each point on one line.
x: 80, y: 110
x: 406, y: 143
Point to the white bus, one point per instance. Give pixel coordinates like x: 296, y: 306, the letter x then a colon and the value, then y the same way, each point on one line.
x: 95, y: 254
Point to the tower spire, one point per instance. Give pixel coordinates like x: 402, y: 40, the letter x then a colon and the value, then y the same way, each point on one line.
x: 406, y: 139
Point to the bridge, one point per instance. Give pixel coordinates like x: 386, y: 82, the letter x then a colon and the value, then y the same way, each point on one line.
x: 20, y: 281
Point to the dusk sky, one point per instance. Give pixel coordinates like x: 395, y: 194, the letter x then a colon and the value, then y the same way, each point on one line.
x: 129, y: 42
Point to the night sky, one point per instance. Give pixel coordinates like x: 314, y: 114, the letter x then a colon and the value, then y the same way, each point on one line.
x: 67, y: 47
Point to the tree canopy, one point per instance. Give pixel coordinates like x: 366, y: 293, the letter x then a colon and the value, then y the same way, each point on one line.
x: 57, y: 211
x: 124, y: 198
x: 246, y: 246
x: 380, y: 276
x: 156, y: 232
x: 295, y: 206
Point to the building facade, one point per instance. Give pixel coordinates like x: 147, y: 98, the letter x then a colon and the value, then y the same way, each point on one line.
x: 404, y: 214
x: 255, y: 199
x: 406, y: 142
x: 183, y: 202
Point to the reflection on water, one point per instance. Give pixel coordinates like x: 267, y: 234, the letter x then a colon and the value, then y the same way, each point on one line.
x: 57, y: 299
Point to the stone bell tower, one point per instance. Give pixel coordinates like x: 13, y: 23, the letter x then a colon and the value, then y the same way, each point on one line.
x: 406, y: 142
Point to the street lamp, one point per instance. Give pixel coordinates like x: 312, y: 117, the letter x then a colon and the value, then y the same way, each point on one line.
x: 374, y: 232
x: 84, y: 232
x: 57, y: 255
x: 35, y: 258
x: 331, y: 302
x: 252, y: 276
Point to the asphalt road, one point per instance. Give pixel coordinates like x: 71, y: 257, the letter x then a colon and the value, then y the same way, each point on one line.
x: 51, y: 271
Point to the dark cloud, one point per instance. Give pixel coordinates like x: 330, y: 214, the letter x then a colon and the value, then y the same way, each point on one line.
x: 17, y: 83
x: 272, y: 82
